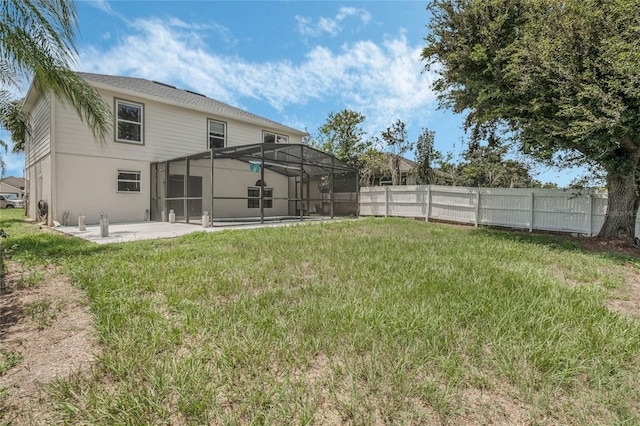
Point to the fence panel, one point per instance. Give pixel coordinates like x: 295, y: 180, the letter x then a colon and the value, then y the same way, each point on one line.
x: 455, y: 204
x: 598, y: 210
x: 373, y: 201
x: 575, y: 211
x: 500, y: 207
x: 559, y: 212
x: 403, y: 201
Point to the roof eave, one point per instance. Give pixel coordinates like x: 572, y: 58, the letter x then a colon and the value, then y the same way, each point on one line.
x: 27, y: 102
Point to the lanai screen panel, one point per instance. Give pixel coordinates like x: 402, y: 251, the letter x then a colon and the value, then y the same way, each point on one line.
x: 280, y: 179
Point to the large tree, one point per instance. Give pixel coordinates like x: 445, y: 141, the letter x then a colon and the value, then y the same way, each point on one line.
x: 397, y: 142
x: 426, y: 154
x: 487, y: 165
x: 342, y: 135
x: 37, y: 40
x: 561, y: 77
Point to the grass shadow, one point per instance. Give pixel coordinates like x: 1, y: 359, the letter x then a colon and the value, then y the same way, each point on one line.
x: 11, y: 221
x: 49, y: 248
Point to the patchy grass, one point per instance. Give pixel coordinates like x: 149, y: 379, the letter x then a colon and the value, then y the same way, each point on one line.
x: 30, y: 279
x: 367, y: 322
x: 9, y: 359
x: 42, y: 312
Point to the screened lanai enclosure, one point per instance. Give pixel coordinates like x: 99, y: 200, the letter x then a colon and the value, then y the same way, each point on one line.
x: 253, y: 183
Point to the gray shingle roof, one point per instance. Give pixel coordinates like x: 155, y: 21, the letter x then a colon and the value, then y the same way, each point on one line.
x: 185, y: 98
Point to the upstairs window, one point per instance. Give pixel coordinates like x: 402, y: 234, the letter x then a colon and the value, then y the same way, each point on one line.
x: 129, y: 122
x: 128, y: 181
x: 217, y: 134
x: 268, y: 137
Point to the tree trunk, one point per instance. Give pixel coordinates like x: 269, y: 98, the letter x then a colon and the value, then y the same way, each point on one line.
x: 622, y: 207
x: 395, y: 172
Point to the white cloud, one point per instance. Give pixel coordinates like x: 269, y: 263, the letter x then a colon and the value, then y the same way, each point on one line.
x: 223, y: 32
x: 331, y: 26
x: 102, y: 5
x: 383, y: 81
x: 345, y: 12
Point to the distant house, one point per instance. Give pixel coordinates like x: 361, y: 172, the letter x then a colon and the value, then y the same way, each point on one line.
x: 12, y: 185
x: 384, y: 177
x: 170, y: 150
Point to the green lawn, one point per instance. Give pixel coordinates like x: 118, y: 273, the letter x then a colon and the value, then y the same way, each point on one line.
x: 363, y: 322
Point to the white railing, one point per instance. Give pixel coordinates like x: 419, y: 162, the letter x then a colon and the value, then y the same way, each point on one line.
x: 575, y: 211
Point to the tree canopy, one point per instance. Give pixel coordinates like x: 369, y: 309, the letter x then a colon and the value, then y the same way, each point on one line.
x: 342, y: 135
x: 484, y: 165
x: 426, y: 154
x: 398, y: 144
x: 488, y: 166
x: 561, y: 78
x: 38, y: 41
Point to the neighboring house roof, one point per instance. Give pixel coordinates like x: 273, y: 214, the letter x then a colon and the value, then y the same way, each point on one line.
x: 405, y: 164
x: 16, y: 182
x: 169, y: 94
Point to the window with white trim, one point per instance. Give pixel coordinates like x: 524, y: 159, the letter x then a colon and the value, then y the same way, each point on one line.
x: 253, y: 192
x: 128, y: 181
x: 129, y: 119
x: 268, y: 137
x: 217, y: 134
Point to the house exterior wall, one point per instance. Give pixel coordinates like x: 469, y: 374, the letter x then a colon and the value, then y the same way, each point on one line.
x: 232, y: 179
x: 40, y: 139
x: 38, y: 173
x: 169, y: 132
x: 88, y: 186
x: 38, y: 186
x: 67, y: 167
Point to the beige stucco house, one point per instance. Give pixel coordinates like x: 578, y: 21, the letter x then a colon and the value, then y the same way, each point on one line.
x: 12, y: 185
x: 383, y: 176
x: 166, y: 148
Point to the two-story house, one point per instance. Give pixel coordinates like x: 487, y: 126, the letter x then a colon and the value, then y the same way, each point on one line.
x: 170, y: 149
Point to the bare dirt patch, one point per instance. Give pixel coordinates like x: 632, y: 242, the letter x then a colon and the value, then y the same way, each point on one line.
x: 45, y: 322
x: 609, y: 245
x: 626, y: 300
x: 496, y: 407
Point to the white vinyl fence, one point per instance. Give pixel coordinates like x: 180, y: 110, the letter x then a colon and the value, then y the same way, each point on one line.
x: 575, y: 211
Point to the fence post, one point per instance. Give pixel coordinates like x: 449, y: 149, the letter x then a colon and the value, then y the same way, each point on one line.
x: 532, y: 203
x: 589, y: 214
x: 425, y: 205
x: 386, y: 201
x: 477, y: 207
x: 428, y: 205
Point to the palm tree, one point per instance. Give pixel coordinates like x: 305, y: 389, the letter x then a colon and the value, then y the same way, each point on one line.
x: 37, y: 40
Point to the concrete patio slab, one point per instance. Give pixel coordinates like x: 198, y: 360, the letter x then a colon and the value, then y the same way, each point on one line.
x: 125, y: 232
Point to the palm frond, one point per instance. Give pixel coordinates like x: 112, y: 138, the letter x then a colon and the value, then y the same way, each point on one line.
x: 38, y: 39
x: 15, y: 120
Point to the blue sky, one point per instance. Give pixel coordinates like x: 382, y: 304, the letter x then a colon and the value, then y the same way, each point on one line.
x: 291, y: 61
